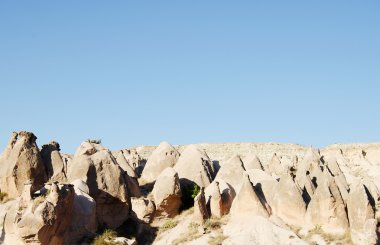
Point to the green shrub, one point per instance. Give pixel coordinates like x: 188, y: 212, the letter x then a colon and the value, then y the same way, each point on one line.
x: 106, y: 238
x: 99, y: 141
x: 189, y: 192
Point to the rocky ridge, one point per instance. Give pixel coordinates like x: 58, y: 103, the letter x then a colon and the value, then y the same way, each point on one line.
x: 220, y: 193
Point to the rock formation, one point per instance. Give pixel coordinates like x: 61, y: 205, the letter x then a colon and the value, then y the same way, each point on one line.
x: 194, y: 166
x: 167, y: 193
x: 21, y: 162
x: 162, y: 157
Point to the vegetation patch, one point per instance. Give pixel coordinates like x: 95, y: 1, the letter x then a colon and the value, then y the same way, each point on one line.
x: 329, y: 238
x: 191, y: 234
x: 168, y: 225
x: 3, y: 197
x: 217, y: 240
x: 106, y: 238
x: 212, y: 224
x: 189, y: 192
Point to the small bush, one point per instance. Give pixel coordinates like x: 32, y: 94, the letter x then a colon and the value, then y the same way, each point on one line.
x: 106, y: 238
x: 3, y: 197
x: 189, y: 192
x: 99, y: 141
x: 169, y: 224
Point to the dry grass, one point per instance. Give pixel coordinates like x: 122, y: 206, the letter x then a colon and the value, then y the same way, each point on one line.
x: 191, y: 234
x: 3, y: 197
x: 106, y: 238
x: 212, y: 224
x: 168, y: 225
x: 344, y: 239
x: 217, y: 240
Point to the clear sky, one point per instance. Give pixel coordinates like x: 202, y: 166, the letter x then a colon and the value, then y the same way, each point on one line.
x: 139, y: 72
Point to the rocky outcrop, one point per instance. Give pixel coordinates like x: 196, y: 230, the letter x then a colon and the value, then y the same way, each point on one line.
x: 247, y: 202
x: 96, y: 166
x: 327, y: 208
x: 231, y: 172
x: 288, y: 203
x: 201, y: 212
x: 251, y: 161
x: 164, y: 156
x: 20, y: 163
x: 194, y: 166
x: 361, y: 215
x: 144, y: 209
x: 167, y: 193
x: 54, y: 164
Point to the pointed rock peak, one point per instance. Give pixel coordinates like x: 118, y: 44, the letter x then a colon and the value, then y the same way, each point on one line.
x: 51, y: 146
x: 312, y: 154
x: 275, y: 159
x: 235, y: 161
x: 251, y: 161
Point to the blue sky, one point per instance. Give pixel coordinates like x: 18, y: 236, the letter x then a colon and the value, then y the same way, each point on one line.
x: 139, y: 72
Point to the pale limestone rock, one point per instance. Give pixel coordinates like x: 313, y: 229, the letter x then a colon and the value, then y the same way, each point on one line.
x: 143, y: 208
x: 288, y: 203
x: 84, y: 220
x: 193, y: 159
x: 216, y: 202
x: 231, y: 172
x: 247, y: 202
x: 201, y: 212
x: 361, y: 216
x: 123, y: 163
x: 53, y: 161
x: 264, y: 184
x: 164, y: 156
x: 21, y: 162
x: 327, y: 208
x: 251, y: 161
x: 227, y: 194
x: 107, y: 183
x: 167, y: 193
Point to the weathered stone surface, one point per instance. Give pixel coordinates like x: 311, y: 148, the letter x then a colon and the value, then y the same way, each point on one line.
x: 21, y: 162
x: 231, y: 172
x: 216, y: 202
x: 124, y: 164
x: 96, y: 166
x: 247, y: 202
x: 327, y: 208
x: 164, y: 156
x: 48, y: 221
x: 251, y: 161
x: 288, y: 203
x: 195, y: 166
x: 143, y: 208
x: 361, y: 215
x: 167, y: 193
x: 53, y: 162
x: 201, y: 212
x: 84, y: 220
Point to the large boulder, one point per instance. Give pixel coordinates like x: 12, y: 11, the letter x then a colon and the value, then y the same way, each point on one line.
x: 219, y: 197
x: 288, y: 203
x: 327, y: 207
x: 21, y: 162
x: 107, y: 184
x: 46, y: 220
x: 54, y: 165
x: 143, y: 208
x: 164, y: 156
x: 361, y: 215
x: 84, y: 220
x: 247, y: 201
x: 167, y: 193
x: 264, y: 183
x: 201, y: 212
x: 231, y: 172
x: 124, y: 164
x: 194, y: 166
